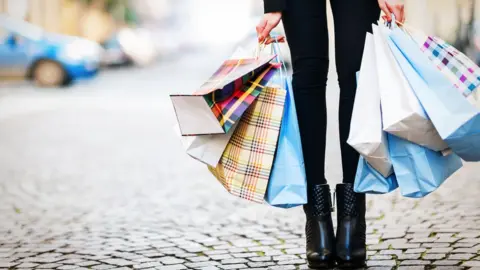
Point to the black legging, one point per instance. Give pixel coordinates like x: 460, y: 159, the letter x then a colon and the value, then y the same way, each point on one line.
x: 305, y: 23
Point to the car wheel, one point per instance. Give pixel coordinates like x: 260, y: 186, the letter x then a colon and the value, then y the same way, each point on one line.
x: 49, y: 73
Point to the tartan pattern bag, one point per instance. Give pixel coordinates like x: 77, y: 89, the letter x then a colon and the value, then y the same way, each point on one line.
x: 233, y: 100
x: 245, y: 166
x: 460, y: 70
x: 222, y: 100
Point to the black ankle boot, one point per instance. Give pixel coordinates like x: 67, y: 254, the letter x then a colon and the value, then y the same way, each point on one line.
x: 351, y: 227
x: 319, y: 228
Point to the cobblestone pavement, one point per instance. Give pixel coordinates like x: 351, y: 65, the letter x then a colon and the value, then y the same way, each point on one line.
x: 93, y: 177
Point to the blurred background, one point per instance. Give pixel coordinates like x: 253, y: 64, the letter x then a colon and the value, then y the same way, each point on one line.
x: 140, y: 32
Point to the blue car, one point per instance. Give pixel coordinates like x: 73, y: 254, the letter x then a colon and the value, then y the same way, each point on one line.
x: 46, y: 58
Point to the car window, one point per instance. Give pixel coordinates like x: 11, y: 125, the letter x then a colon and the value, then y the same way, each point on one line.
x: 20, y: 28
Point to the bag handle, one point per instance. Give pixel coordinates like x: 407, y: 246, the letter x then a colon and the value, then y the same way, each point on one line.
x: 279, y: 57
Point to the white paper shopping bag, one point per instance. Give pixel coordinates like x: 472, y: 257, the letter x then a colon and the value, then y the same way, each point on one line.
x: 366, y: 133
x: 402, y: 113
x: 207, y: 149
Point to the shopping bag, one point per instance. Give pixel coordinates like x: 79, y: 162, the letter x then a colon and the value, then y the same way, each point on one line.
x: 246, y: 164
x: 420, y: 171
x: 287, y: 186
x: 207, y: 149
x: 456, y: 119
x: 366, y: 133
x: 222, y: 100
x: 370, y: 181
x: 402, y: 113
x: 456, y: 66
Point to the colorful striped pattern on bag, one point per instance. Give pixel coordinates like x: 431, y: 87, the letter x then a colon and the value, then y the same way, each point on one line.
x: 464, y: 74
x: 234, y: 87
x: 230, y: 110
x: 246, y: 164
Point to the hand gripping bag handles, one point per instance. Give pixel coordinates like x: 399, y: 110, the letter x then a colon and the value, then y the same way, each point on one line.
x: 287, y: 186
x: 418, y: 171
x: 456, y: 119
x: 402, y: 113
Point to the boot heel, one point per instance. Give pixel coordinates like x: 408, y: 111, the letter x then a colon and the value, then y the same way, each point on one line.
x: 351, y: 228
x: 319, y: 228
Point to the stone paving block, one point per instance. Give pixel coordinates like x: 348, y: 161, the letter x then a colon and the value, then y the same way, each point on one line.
x: 471, y: 264
x: 261, y: 259
x: 415, y: 250
x: 48, y: 266
x: 201, y: 264
x: 447, y: 262
x: 382, y: 263
x: 291, y: 262
x: 232, y: 266
x: 410, y: 256
x: 449, y: 268
x: 440, y: 250
x: 198, y: 259
x: 103, y: 267
x: 414, y: 262
x: 380, y: 257
x: 119, y: 262
x: 234, y: 261
x: 27, y: 265
x: 244, y: 255
x: 379, y: 246
x: 172, y: 267
x: 7, y: 264
x: 260, y: 264
x: 68, y: 267
x: 461, y: 256
x: 147, y: 265
x: 282, y: 267
x: 220, y: 257
x: 433, y: 256
x: 390, y: 252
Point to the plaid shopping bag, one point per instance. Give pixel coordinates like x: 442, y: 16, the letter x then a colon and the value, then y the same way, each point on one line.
x: 245, y: 166
x: 458, y: 68
x: 221, y: 101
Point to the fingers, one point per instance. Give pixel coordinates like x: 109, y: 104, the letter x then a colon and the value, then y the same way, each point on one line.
x: 266, y: 30
x: 279, y: 39
x: 402, y: 14
x: 260, y: 30
x: 384, y: 7
x: 397, y: 10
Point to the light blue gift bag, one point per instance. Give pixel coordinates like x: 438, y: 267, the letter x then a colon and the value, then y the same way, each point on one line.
x: 419, y: 170
x: 457, y: 121
x: 370, y: 181
x: 287, y: 186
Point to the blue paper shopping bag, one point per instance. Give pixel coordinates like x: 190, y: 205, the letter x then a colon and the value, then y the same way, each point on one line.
x: 419, y: 170
x: 457, y: 121
x: 370, y: 181
x: 287, y: 186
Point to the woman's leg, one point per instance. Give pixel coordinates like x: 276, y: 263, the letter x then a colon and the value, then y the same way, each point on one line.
x: 305, y: 23
x: 353, y: 18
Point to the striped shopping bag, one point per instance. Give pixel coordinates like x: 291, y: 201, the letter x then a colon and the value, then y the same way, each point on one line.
x: 245, y: 166
x: 221, y: 101
x: 456, y: 66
